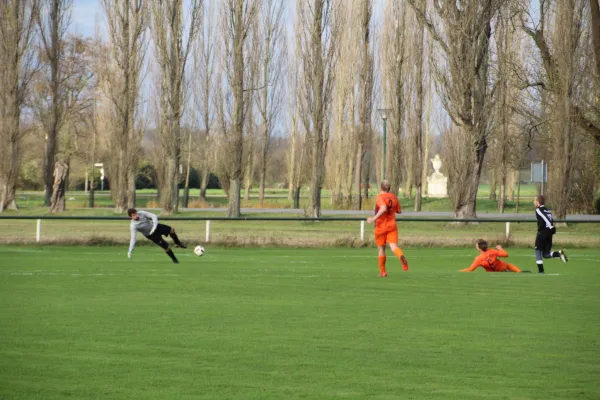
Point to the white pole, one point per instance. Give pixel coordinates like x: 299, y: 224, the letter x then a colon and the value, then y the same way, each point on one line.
x: 362, y: 230
x: 507, y: 230
x: 207, y: 231
x: 38, y: 233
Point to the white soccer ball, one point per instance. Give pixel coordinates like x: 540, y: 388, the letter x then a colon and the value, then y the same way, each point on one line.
x: 199, y: 250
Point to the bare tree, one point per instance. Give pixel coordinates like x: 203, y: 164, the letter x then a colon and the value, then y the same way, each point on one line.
x: 296, y: 157
x: 462, y: 75
x: 587, y: 115
x: 318, y: 55
x: 76, y: 92
x: 53, y: 21
x: 508, y: 142
x: 204, y: 86
x: 340, y: 158
x: 237, y: 18
x: 172, y: 52
x: 418, y: 134
x: 250, y: 123
x: 271, y: 79
x: 560, y: 51
x: 394, y: 78
x: 17, y: 59
x: 127, y: 23
x: 365, y: 102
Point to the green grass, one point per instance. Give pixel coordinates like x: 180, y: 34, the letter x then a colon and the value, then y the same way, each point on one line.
x: 294, y: 233
x: 85, y: 323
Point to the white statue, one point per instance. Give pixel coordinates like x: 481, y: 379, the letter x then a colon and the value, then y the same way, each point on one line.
x: 437, y: 183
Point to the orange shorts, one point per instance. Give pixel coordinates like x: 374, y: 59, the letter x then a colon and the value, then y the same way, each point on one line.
x: 381, y: 238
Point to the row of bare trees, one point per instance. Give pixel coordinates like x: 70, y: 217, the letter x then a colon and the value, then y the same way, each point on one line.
x: 209, y: 85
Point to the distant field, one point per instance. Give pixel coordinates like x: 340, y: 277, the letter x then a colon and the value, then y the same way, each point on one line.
x: 265, y: 323
x: 274, y: 198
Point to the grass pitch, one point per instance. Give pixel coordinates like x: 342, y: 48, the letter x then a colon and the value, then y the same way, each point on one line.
x: 86, y: 323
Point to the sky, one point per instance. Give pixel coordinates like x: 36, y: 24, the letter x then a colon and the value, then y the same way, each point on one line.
x: 84, y: 13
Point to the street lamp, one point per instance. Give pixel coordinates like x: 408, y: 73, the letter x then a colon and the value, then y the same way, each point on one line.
x: 383, y: 113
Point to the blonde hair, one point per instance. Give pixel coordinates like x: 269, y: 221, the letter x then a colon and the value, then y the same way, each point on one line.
x: 385, y: 185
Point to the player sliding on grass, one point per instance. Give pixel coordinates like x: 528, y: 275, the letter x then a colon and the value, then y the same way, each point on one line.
x: 147, y: 224
x: 488, y: 259
x: 386, y: 230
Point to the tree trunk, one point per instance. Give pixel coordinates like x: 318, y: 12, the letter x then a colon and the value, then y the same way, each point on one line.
x: 358, y: 172
x: 205, y: 176
x: 261, y: 184
x: 233, y: 207
x: 493, y: 173
x: 466, y: 201
x: 502, y: 194
x: 57, y: 201
x: 316, y: 178
x: 9, y: 180
x: 118, y: 184
x: 249, y: 172
x: 169, y: 191
x: 296, y: 195
x: 367, y: 174
x: 130, y: 195
x: 49, y: 154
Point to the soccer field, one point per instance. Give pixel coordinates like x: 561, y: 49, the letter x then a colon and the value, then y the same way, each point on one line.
x: 252, y: 323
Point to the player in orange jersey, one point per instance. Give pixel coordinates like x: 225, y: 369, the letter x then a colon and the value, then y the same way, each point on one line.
x: 488, y: 259
x: 386, y: 230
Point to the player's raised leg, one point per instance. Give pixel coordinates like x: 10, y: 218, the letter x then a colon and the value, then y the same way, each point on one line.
x: 176, y: 239
x: 392, y: 239
x: 159, y: 241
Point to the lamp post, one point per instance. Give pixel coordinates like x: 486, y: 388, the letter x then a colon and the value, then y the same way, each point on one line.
x: 383, y: 113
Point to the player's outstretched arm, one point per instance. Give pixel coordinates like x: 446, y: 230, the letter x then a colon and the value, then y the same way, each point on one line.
x: 131, y: 242
x: 472, y: 268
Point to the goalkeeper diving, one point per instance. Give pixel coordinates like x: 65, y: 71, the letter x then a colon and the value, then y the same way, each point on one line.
x: 147, y: 224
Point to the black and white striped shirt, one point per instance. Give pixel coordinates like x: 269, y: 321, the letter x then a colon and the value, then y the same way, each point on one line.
x: 545, y: 221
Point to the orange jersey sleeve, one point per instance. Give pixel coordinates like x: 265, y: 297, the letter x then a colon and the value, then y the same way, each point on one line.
x: 501, y: 253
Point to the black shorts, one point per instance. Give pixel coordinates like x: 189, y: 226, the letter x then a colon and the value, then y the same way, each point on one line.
x: 160, y: 231
x: 543, y: 243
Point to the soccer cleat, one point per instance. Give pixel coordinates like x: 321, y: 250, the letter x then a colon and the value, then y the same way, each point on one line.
x: 175, y: 261
x: 383, y: 274
x: 181, y: 245
x: 404, y: 263
x: 563, y: 256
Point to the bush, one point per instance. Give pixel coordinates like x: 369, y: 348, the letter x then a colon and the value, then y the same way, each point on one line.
x: 30, y: 177
x: 597, y: 205
x: 145, y: 177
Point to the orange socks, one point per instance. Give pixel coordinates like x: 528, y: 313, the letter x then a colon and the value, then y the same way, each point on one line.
x: 513, y: 268
x: 381, y: 260
x: 400, y: 254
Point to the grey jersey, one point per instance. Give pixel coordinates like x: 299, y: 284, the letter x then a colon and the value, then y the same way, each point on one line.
x: 144, y: 225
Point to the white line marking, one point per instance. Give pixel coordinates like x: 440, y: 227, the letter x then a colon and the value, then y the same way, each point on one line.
x: 524, y: 274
